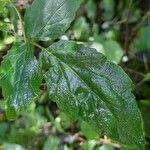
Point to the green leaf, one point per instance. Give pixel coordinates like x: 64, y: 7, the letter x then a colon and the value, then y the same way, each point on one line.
x: 106, y: 147
x: 90, y: 8
x: 89, y: 145
x: 49, y: 19
x: 145, y: 110
x: 113, y: 51
x: 141, y: 42
x: 19, y: 78
x: 53, y: 143
x: 87, y: 86
x: 108, y: 6
x: 81, y: 29
x: 2, y: 5
x: 10, y: 146
x: 88, y: 132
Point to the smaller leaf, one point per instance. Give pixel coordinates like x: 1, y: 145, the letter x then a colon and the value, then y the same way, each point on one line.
x: 2, y: 5
x: 9, y: 146
x: 113, y: 51
x: 91, y: 9
x: 19, y: 78
x: 49, y: 19
x: 106, y: 147
x: 141, y: 42
x: 52, y: 143
x: 88, y: 132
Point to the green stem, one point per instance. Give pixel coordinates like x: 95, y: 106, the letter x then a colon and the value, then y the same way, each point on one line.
x: 40, y: 47
x: 19, y: 16
x: 37, y: 45
x: 49, y: 115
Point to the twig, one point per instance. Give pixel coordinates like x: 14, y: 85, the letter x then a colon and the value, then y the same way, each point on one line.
x: 107, y: 141
x: 20, y: 18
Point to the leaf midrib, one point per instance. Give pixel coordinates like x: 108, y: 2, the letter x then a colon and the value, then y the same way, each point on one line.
x: 88, y: 87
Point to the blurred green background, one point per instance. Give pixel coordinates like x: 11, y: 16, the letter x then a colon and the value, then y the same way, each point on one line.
x: 120, y: 29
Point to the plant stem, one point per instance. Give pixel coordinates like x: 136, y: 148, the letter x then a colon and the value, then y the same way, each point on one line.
x: 49, y: 115
x: 40, y: 47
x: 19, y: 16
x: 37, y: 45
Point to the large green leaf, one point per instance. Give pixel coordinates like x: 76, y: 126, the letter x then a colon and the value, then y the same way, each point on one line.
x: 87, y: 86
x: 49, y: 19
x: 19, y: 78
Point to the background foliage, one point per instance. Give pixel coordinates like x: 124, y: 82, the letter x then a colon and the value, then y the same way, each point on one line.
x: 120, y: 29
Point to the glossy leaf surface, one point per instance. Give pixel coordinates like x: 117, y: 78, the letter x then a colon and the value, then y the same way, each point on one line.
x: 49, y: 19
x: 19, y: 78
x: 87, y: 86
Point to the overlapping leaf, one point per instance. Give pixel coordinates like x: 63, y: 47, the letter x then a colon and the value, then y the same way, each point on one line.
x: 87, y: 86
x: 49, y: 19
x: 19, y: 78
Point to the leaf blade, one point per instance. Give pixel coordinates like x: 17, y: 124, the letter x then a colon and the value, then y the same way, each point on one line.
x: 19, y: 78
x: 49, y: 19
x: 85, y: 85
